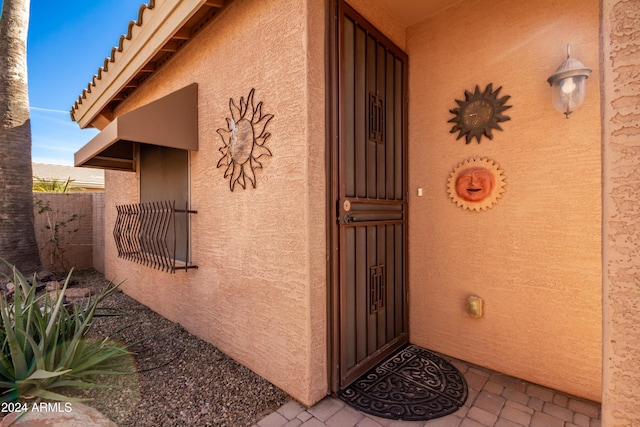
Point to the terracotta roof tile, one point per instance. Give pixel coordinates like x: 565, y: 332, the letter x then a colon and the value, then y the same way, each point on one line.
x: 112, y: 57
x: 177, y: 23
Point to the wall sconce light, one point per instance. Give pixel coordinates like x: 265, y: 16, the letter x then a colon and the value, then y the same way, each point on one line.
x: 568, y: 84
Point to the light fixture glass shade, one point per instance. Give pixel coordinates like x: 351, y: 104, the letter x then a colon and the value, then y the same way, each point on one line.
x: 568, y: 94
x: 568, y: 84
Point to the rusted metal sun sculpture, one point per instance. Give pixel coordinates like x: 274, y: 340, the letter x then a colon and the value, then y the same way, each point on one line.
x: 244, y: 141
x: 479, y: 113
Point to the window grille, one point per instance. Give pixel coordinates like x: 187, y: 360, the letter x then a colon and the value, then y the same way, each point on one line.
x: 141, y: 232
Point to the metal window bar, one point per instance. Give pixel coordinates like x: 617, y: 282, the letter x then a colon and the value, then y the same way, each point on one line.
x: 141, y: 231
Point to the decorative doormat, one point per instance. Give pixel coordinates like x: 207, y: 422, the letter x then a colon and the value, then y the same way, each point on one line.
x: 412, y: 385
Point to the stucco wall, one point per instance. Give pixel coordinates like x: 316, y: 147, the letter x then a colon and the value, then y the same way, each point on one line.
x: 621, y: 151
x: 259, y: 293
x: 98, y: 231
x: 65, y: 226
x: 535, y: 257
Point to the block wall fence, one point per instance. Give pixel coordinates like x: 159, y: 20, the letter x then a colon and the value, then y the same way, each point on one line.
x: 80, y: 230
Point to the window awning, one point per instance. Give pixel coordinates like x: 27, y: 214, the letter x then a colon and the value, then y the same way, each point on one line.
x: 171, y: 121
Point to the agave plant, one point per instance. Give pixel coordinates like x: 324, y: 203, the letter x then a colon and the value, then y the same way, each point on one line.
x: 45, y: 345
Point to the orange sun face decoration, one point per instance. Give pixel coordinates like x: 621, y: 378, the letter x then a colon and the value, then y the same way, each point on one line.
x: 476, y: 184
x: 244, y: 141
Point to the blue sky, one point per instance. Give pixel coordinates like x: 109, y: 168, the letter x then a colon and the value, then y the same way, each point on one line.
x: 67, y: 43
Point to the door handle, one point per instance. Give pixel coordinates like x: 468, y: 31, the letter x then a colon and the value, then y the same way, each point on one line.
x: 348, y: 218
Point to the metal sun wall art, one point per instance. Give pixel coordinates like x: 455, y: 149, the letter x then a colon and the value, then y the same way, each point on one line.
x: 244, y: 141
x: 476, y: 184
x: 479, y: 113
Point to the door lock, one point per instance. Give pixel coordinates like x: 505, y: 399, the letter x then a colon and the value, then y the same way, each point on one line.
x: 348, y: 218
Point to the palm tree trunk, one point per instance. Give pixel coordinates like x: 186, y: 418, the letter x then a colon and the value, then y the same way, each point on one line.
x: 17, y: 235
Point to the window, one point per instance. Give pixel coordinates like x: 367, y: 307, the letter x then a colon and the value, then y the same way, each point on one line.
x: 164, y: 176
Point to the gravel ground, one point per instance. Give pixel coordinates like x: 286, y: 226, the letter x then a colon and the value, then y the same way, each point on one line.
x: 178, y: 379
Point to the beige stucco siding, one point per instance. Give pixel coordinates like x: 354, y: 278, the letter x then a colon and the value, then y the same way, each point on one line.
x: 535, y: 257
x: 260, y: 291
x: 621, y: 148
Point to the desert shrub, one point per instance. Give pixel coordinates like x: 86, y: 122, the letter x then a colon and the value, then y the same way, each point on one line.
x: 60, y: 229
x: 43, y: 185
x: 45, y: 346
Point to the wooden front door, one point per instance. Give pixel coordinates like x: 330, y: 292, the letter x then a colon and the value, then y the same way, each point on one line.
x: 371, y: 206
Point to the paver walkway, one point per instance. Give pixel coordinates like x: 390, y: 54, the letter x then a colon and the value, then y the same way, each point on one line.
x: 495, y: 400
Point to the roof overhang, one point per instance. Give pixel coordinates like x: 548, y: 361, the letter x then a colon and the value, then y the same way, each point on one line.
x: 163, y: 27
x: 171, y: 121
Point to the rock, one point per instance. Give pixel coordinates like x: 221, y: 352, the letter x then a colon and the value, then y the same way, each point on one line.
x: 53, y: 285
x: 78, y: 293
x: 45, y: 276
x: 57, y: 414
x: 73, y: 293
x: 10, y: 287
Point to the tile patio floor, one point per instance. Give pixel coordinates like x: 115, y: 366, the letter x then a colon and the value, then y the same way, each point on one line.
x: 495, y: 400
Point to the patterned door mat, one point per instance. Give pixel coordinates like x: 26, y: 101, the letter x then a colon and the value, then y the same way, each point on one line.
x: 412, y: 385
